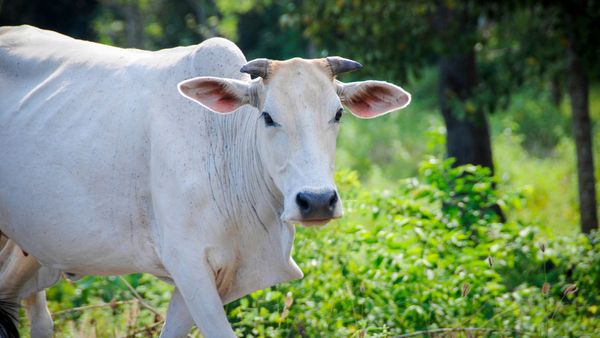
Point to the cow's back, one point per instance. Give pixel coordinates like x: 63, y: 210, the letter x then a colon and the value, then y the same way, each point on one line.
x: 75, y: 121
x: 28, y: 55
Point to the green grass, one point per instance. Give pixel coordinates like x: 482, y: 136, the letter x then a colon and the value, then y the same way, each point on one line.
x: 532, y: 147
x: 544, y: 165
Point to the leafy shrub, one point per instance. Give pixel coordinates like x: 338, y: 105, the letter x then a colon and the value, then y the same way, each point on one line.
x: 429, y: 253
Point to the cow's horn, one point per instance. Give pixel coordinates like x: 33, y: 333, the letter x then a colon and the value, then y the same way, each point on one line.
x: 340, y: 65
x: 257, y: 67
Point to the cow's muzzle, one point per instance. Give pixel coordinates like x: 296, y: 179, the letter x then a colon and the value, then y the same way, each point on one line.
x: 317, y: 208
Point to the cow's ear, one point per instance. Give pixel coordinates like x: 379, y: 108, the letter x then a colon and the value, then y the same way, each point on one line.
x: 218, y: 94
x: 369, y: 99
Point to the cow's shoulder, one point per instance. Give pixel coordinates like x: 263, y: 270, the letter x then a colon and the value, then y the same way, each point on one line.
x: 218, y: 57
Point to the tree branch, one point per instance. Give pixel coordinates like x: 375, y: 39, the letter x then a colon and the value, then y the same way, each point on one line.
x: 139, y: 298
x: 88, y: 307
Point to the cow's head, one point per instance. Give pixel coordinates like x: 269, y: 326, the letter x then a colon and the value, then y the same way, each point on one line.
x: 300, y: 107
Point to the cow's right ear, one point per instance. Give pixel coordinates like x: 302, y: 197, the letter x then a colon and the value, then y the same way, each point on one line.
x: 218, y: 94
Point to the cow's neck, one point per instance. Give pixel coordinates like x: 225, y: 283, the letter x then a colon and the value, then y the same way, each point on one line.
x: 253, y: 207
x: 251, y: 189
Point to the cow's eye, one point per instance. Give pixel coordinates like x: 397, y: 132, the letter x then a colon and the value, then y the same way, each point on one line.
x: 338, y: 115
x: 269, y: 120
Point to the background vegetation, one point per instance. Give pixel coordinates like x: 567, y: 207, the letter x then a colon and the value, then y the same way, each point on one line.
x: 422, y: 246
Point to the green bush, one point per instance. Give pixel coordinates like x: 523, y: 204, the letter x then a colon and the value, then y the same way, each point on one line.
x: 429, y: 253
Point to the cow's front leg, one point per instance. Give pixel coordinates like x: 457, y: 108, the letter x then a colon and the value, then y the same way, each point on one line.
x: 195, y: 281
x: 178, y: 322
x: 38, y: 315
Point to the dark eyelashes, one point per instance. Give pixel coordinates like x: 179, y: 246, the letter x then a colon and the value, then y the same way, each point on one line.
x: 269, y: 120
x: 338, y: 115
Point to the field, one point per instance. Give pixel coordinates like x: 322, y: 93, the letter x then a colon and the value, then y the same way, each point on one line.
x: 408, y: 257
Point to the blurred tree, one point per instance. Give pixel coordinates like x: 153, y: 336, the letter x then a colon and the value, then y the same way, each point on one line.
x: 580, y: 20
x: 264, y: 32
x: 554, y: 41
x: 484, y: 51
x: 399, y: 39
x: 559, y: 36
x: 396, y: 39
x: 467, y: 137
x: 153, y: 24
x: 65, y: 16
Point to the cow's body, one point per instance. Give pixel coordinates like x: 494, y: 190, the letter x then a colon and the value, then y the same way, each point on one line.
x: 106, y: 169
x: 100, y: 155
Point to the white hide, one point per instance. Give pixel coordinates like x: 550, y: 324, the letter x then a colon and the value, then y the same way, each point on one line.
x: 299, y: 153
x: 106, y: 169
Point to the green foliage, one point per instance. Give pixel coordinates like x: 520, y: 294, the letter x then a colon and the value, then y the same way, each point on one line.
x: 466, y: 193
x: 103, y: 306
x: 539, y: 121
x: 385, y: 148
x: 263, y: 32
x: 154, y: 24
x: 403, y: 262
x: 405, y: 259
x: 389, y: 46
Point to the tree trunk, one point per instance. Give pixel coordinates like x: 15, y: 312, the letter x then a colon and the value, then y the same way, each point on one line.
x: 468, y: 135
x: 582, y: 132
x: 556, y: 90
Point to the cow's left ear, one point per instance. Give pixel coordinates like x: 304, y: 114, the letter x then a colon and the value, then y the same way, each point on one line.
x: 218, y: 94
x: 369, y: 99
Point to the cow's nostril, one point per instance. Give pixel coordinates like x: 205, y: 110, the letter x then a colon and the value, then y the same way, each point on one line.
x: 317, y: 206
x: 333, y: 200
x: 303, y: 202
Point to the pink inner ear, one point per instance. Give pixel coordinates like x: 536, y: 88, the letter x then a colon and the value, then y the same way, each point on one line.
x: 362, y: 109
x: 372, y: 101
x: 218, y: 99
x: 213, y: 94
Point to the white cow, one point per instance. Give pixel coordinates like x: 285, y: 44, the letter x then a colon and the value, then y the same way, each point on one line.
x: 109, y: 164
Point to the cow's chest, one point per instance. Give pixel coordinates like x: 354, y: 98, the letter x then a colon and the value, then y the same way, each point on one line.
x: 253, y: 260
